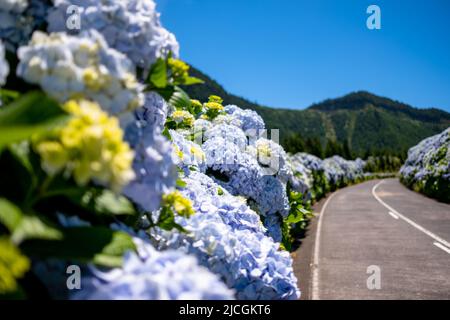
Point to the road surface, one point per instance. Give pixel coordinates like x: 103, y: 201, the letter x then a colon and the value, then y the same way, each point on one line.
x: 381, y: 231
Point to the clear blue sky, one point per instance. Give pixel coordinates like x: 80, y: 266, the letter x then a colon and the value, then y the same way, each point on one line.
x: 292, y: 53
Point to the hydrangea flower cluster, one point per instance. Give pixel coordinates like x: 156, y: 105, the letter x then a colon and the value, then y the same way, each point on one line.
x: 182, y: 119
x: 67, y: 67
x: 240, y: 172
x: 309, y: 161
x: 152, y: 275
x: 154, y: 165
x: 228, y: 237
x: 130, y: 26
x: 314, y: 177
x: 272, y: 158
x: 90, y: 147
x: 302, y: 180
x: 245, y: 165
x: 154, y: 111
x: 427, y: 168
x: 188, y: 155
x: 4, y: 66
x: 349, y: 170
x: 247, y: 120
x: 19, y: 18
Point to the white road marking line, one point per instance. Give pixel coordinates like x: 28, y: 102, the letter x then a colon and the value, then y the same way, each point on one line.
x: 393, y: 215
x: 315, y: 275
x: 440, y: 246
x: 415, y: 225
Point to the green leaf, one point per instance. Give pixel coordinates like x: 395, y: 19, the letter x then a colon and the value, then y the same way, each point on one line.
x: 167, y: 222
x: 191, y: 81
x: 166, y: 92
x: 30, y: 114
x: 99, y: 245
x: 17, y: 174
x: 166, y: 134
x: 286, y: 236
x: 158, y: 74
x: 10, y: 215
x: 100, y: 201
x: 176, y: 97
x: 179, y: 99
x: 34, y: 227
x: 109, y: 203
x: 7, y: 96
x: 296, y: 216
x: 25, y: 226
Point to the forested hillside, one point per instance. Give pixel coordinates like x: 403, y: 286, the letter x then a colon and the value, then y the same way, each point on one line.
x: 360, y: 122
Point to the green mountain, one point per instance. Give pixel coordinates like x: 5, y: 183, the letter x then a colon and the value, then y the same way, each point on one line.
x: 364, y: 122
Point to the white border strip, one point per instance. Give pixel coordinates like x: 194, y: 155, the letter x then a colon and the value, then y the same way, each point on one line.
x: 415, y: 225
x: 393, y: 215
x: 315, y: 266
x: 440, y: 246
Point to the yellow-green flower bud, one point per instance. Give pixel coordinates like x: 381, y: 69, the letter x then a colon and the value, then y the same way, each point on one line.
x: 178, y: 203
x: 216, y: 99
x: 89, y: 147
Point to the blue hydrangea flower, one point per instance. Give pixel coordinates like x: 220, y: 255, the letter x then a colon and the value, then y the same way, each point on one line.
x: 232, y: 167
x: 428, y: 160
x: 272, y: 158
x: 130, y: 26
x: 228, y: 238
x: 340, y: 170
x: 309, y: 161
x: 273, y: 225
x: 153, y: 165
x: 333, y: 171
x: 352, y: 169
x: 188, y: 155
x: 18, y: 20
x: 250, y: 122
x: 229, y: 133
x: 154, y: 111
x: 272, y: 198
x: 243, y: 170
x: 302, y: 179
x: 152, y: 275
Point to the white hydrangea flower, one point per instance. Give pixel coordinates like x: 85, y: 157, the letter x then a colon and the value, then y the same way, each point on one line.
x: 130, y: 26
x: 67, y: 67
x: 4, y: 66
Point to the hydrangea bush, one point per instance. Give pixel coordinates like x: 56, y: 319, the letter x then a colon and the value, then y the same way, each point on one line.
x: 98, y: 134
x: 106, y: 163
x: 427, y: 168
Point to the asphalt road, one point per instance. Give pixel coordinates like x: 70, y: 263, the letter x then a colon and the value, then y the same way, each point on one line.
x: 379, y: 231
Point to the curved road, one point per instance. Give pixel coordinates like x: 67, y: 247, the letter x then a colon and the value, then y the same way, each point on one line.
x: 381, y: 231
